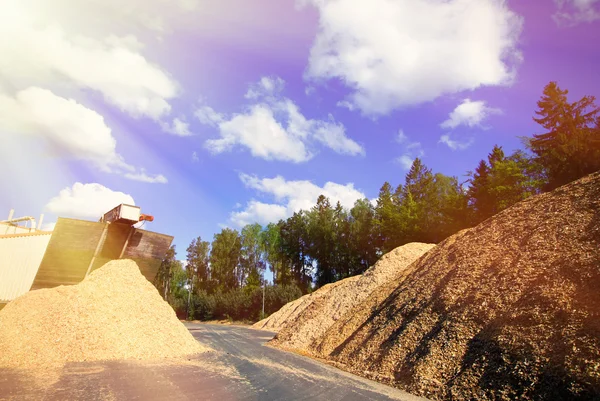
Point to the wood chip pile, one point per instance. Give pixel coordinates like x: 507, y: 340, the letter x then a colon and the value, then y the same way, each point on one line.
x: 289, y: 311
x: 304, y: 331
x: 115, y: 313
x: 507, y: 310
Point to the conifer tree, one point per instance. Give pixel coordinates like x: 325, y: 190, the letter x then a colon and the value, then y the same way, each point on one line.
x: 570, y: 148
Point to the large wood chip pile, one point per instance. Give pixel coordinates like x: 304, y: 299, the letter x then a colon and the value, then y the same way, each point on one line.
x: 507, y: 310
x: 115, y: 313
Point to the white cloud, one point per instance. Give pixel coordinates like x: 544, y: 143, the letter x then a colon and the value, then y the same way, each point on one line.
x: 195, y: 158
x: 455, y: 145
x: 405, y: 161
x: 67, y: 128
x: 262, y: 134
x: 178, y: 127
x: 333, y: 135
x: 469, y: 113
x: 266, y: 87
x: 86, y: 201
x: 258, y: 212
x: 112, y: 66
x: 289, y: 197
x: 273, y: 128
x: 572, y: 12
x: 411, y: 150
x: 401, y: 137
x: 208, y: 116
x: 398, y: 53
x: 48, y: 226
x: 156, y: 16
x: 143, y: 177
x: 346, y: 105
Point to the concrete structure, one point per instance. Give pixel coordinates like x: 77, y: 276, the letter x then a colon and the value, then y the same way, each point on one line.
x: 31, y: 260
x: 78, y: 247
x: 20, y: 257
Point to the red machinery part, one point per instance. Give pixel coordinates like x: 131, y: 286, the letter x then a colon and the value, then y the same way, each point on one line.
x: 146, y: 217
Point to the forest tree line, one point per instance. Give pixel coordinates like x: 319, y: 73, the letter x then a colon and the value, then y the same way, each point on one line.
x: 224, y: 278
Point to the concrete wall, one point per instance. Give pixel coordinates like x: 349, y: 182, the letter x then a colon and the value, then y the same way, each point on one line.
x: 9, y: 229
x: 20, y: 257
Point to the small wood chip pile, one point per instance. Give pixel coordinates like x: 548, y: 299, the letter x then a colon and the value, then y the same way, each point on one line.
x: 115, y: 313
x: 507, y: 310
x: 291, y: 310
x: 304, y: 330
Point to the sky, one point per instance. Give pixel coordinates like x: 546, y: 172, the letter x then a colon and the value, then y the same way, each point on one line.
x: 219, y: 114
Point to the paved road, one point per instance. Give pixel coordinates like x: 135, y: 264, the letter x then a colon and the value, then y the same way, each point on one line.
x: 240, y: 368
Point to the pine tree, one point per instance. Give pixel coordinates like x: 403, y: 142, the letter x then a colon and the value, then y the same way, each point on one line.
x: 363, y: 234
x: 295, y: 245
x: 570, y: 148
x: 387, y: 220
x: 481, y: 202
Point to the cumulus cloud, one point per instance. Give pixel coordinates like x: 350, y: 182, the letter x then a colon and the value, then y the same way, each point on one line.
x: 572, y: 12
x: 259, y: 212
x: 397, y: 53
x: 453, y: 144
x: 66, y: 127
x: 469, y: 113
x: 289, y: 197
x: 86, y: 201
x: 111, y: 65
x: 260, y: 132
x: 273, y: 128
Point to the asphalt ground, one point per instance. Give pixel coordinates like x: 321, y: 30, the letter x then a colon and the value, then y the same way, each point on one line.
x: 240, y: 367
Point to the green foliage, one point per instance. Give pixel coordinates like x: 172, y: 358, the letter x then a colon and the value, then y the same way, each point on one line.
x: 501, y: 182
x: 252, y: 258
x: 163, y: 278
x: 225, y: 259
x: 197, y: 268
x: 242, y: 303
x: 178, y: 292
x: 295, y: 250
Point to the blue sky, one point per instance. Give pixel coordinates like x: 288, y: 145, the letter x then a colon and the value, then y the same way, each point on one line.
x: 210, y: 115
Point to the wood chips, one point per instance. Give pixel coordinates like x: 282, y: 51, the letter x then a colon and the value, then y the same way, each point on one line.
x: 302, y: 331
x: 507, y: 310
x: 291, y: 310
x: 115, y: 313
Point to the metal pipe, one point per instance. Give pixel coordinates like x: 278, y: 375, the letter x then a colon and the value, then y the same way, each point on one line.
x: 98, y: 248
x: 131, y: 230
x: 18, y: 219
